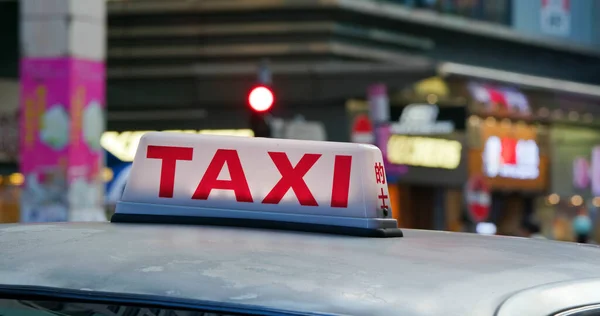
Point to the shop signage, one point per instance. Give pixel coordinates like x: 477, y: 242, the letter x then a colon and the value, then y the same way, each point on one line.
x: 124, y: 144
x: 379, y: 104
x: 555, y: 17
x: 511, y: 158
x: 424, y: 152
x: 500, y: 99
x: 586, y: 173
x: 478, y: 199
x: 581, y: 173
x: 362, y: 130
x: 421, y: 119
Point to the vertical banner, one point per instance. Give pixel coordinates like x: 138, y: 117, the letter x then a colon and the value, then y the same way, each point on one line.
x: 555, y: 17
x: 379, y: 104
x: 61, y: 124
x: 595, y: 171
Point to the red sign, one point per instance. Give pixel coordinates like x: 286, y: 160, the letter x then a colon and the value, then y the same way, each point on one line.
x: 511, y: 158
x: 478, y: 199
x: 503, y: 99
x: 292, y: 177
x: 362, y: 130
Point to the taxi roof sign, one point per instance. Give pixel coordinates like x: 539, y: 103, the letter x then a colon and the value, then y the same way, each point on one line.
x: 260, y: 182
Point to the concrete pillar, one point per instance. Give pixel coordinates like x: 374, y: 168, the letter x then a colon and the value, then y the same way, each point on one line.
x: 62, y: 104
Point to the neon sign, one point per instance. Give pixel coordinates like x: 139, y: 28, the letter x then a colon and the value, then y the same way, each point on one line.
x: 424, y: 152
x: 511, y: 158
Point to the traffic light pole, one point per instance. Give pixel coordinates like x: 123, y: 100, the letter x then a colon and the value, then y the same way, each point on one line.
x: 260, y: 120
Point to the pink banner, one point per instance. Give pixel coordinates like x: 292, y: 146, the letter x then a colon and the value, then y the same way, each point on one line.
x: 62, y: 119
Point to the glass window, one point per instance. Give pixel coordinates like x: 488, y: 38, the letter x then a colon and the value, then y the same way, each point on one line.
x: 48, y: 308
x: 496, y: 11
x: 591, y: 310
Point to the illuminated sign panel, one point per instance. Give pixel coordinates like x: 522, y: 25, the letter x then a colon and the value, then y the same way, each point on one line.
x: 511, y: 158
x: 124, y: 144
x: 424, y: 152
x: 421, y: 119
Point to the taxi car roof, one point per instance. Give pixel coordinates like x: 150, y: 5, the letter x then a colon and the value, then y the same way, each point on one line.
x: 423, y: 273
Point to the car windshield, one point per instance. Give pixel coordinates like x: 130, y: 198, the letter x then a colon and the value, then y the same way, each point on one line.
x: 9, y: 307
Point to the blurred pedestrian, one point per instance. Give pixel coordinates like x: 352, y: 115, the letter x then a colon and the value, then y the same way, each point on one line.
x: 582, y: 227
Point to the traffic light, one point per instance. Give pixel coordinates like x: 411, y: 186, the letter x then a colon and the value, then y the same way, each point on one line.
x: 260, y: 101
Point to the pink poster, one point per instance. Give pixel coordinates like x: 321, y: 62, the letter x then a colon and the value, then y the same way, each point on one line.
x: 62, y: 119
x: 595, y: 171
x: 581, y: 173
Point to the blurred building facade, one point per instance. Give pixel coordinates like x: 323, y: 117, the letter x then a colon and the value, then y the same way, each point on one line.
x: 188, y: 65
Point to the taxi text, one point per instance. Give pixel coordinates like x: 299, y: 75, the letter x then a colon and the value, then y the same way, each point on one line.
x: 291, y: 176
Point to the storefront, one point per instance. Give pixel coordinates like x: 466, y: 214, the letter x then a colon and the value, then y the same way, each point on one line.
x: 425, y: 151
x: 575, y: 185
x: 424, y: 147
x: 513, y: 160
x: 508, y: 147
x: 575, y: 180
x: 443, y: 132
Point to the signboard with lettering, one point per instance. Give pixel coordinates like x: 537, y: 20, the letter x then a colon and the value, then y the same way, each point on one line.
x: 510, y: 157
x: 424, y: 159
x: 421, y: 119
x: 427, y: 119
x: 424, y: 152
x: 555, y: 17
x: 499, y: 100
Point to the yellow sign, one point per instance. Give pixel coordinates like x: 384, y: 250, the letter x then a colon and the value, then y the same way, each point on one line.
x: 424, y: 152
x: 124, y: 144
x: 77, y: 104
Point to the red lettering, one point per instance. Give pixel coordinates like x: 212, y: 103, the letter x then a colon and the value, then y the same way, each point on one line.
x: 292, y: 177
x: 169, y: 157
x: 238, y: 183
x: 341, y: 181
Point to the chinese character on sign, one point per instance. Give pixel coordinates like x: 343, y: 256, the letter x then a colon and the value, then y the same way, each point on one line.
x: 379, y: 173
x: 382, y: 196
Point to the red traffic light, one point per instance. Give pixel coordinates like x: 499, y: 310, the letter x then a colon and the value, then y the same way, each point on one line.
x: 261, y: 99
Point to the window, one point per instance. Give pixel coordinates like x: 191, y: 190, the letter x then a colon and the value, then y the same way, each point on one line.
x: 46, y: 308
x: 495, y: 11
x: 591, y: 310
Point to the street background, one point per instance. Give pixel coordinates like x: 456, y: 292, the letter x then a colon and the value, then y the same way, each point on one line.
x: 487, y: 112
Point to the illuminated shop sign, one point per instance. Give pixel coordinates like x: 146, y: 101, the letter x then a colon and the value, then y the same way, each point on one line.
x: 124, y: 144
x: 421, y: 119
x: 506, y: 99
x: 424, y: 152
x: 511, y: 158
